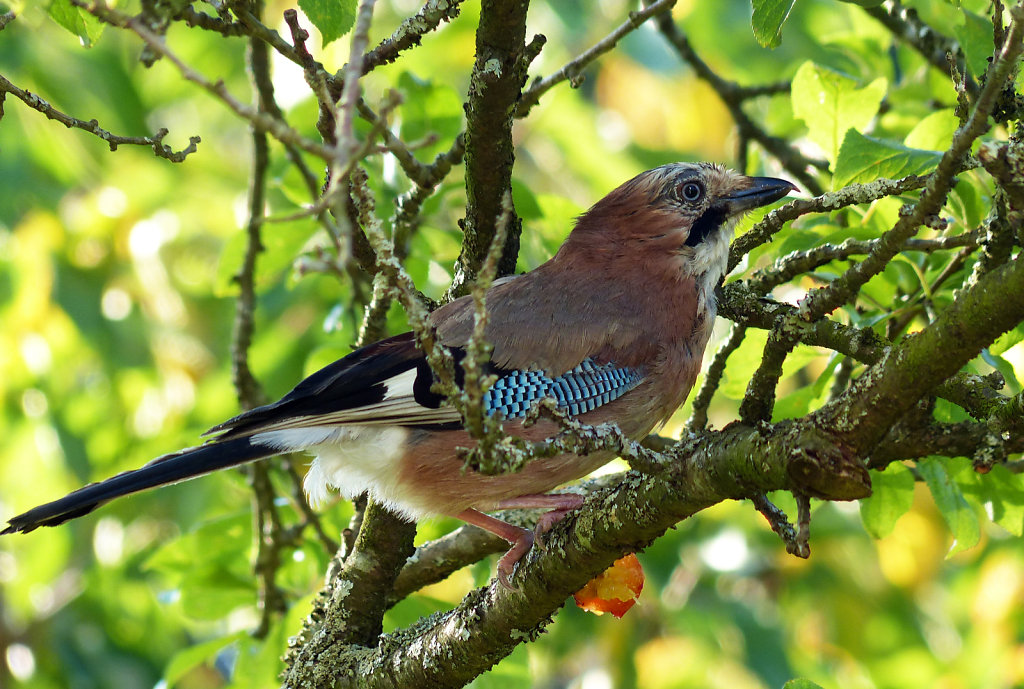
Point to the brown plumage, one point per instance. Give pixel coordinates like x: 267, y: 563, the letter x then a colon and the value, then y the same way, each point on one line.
x: 613, y: 326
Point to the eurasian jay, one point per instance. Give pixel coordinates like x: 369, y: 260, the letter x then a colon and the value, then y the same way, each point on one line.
x: 613, y: 328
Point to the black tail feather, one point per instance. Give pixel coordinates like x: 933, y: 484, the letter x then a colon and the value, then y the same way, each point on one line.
x: 162, y: 471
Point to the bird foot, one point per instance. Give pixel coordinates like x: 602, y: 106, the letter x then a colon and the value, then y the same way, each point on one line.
x: 520, y: 538
x: 558, y: 505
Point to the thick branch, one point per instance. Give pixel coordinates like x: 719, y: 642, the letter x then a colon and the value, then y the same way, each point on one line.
x: 922, y: 361
x: 498, y: 77
x: 453, y: 648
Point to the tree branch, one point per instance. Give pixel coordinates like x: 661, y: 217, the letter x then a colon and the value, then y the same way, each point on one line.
x: 457, y: 646
x: 411, y: 32
x: 93, y: 127
x: 732, y: 96
x: 572, y: 71
x: 910, y: 369
x: 261, y: 121
x: 495, y: 87
x: 905, y: 24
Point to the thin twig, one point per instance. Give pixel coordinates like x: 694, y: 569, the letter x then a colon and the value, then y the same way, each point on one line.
x: 259, y: 120
x: 905, y: 24
x: 196, y: 19
x: 826, y: 299
x: 849, y: 195
x: 572, y: 70
x: 702, y: 400
x: 411, y: 32
x: 93, y: 127
x: 733, y: 96
x: 779, y: 523
x: 344, y: 117
x: 799, y: 263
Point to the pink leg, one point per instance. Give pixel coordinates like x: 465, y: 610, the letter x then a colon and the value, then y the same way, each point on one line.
x: 521, y: 540
x: 557, y: 504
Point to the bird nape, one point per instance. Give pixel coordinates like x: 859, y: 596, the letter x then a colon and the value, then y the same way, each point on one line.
x: 612, y: 328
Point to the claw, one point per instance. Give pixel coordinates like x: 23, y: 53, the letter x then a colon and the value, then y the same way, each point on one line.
x: 522, y: 540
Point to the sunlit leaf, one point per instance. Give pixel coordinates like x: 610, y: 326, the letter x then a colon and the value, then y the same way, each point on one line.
x: 333, y: 18
x: 193, y: 656
x: 892, y: 494
x: 77, y: 21
x: 767, y: 20
x: 1007, y: 340
x: 831, y: 103
x: 865, y: 158
x: 1005, y: 499
x: 975, y: 37
x: 259, y: 661
x: 801, y: 683
x: 959, y: 516
x: 933, y: 133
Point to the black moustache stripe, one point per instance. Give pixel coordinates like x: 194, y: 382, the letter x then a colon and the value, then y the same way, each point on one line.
x: 709, y: 221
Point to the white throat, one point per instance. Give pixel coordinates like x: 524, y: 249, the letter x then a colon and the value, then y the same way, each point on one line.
x: 710, y: 260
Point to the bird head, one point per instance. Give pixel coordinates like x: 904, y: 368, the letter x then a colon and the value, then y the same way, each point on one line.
x: 679, y: 216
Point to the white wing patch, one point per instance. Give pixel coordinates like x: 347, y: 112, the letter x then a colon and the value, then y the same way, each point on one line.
x: 399, y: 407
x: 400, y: 385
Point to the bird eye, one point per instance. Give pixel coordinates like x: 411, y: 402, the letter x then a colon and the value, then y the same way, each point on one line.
x: 691, y: 192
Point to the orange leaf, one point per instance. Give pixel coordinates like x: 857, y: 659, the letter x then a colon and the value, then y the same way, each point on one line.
x: 615, y: 590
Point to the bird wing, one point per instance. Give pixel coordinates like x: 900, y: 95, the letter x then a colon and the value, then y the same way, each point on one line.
x: 385, y: 383
x: 388, y: 384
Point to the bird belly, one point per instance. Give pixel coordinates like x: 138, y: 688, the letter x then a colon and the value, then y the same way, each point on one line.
x: 353, y: 459
x: 440, y: 478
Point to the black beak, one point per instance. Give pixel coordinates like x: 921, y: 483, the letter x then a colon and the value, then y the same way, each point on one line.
x: 761, y: 192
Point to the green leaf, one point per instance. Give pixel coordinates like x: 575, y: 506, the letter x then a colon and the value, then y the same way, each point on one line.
x: 513, y: 672
x: 830, y: 104
x: 891, y: 497
x: 1007, y: 340
x: 430, y: 108
x: 282, y: 246
x: 1003, y: 366
x: 333, y: 18
x: 959, y: 516
x: 189, y: 658
x: 975, y: 36
x: 742, y: 364
x: 805, y: 397
x: 801, y: 683
x: 259, y: 661
x: 767, y: 21
x: 82, y: 24
x: 525, y: 201
x: 933, y: 133
x: 1005, y: 499
x: 865, y: 158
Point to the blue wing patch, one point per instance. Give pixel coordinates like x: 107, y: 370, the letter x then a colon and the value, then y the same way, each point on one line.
x: 580, y: 390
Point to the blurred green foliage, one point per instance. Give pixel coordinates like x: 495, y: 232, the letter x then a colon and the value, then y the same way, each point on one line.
x: 116, y: 298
